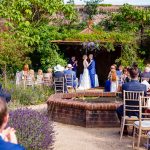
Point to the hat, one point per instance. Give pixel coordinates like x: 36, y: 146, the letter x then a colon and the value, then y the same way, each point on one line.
x: 58, y: 68
x: 69, y: 66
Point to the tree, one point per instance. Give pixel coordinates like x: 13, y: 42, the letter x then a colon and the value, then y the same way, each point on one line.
x: 12, y: 53
x: 91, y: 8
x: 134, y: 20
x: 30, y: 30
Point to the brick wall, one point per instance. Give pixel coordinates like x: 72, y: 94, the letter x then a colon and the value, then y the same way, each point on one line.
x: 62, y: 108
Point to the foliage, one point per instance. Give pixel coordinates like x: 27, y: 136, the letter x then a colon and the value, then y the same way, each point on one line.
x: 34, y: 130
x: 133, y: 20
x: 29, y: 95
x: 91, y: 8
x: 129, y: 18
x: 129, y: 55
x: 29, y: 26
x: 105, y: 5
x: 104, y: 37
x: 13, y: 52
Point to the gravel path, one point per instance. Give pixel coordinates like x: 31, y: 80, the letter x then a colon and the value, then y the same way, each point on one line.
x: 69, y: 137
x: 78, y: 138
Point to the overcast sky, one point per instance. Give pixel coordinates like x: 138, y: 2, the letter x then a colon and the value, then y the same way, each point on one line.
x: 119, y: 2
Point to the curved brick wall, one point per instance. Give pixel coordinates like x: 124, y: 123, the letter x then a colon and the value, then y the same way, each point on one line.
x: 62, y: 108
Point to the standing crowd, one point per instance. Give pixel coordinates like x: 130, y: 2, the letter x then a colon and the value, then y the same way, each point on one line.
x: 118, y: 76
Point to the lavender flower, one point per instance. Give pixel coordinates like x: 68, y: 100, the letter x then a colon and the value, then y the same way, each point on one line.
x: 34, y: 130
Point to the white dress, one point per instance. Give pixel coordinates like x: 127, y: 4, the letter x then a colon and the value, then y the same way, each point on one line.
x: 85, y: 82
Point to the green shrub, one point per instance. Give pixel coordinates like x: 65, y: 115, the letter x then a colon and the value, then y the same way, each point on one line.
x: 28, y: 95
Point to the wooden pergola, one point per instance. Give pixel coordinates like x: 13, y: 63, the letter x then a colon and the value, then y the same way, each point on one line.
x: 103, y: 58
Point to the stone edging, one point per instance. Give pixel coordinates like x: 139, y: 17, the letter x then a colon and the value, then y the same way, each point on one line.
x: 66, y: 100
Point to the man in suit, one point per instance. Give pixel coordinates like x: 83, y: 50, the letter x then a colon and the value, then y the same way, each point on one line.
x: 69, y: 71
x: 8, y: 139
x: 92, y: 70
x: 133, y: 85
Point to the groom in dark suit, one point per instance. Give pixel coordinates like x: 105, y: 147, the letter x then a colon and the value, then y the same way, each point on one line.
x: 92, y: 70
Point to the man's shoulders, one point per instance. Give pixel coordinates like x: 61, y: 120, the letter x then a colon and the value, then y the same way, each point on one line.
x: 132, y: 86
x: 69, y: 72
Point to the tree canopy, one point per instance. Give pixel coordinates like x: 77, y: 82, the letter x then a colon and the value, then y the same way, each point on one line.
x: 32, y: 24
x: 30, y: 29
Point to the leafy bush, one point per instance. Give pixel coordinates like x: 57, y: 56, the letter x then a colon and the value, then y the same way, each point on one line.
x: 29, y: 95
x: 34, y: 131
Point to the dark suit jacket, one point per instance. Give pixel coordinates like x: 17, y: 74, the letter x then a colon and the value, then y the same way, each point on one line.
x: 9, y: 146
x: 73, y: 65
x: 134, y: 85
x: 92, y: 67
x: 59, y: 74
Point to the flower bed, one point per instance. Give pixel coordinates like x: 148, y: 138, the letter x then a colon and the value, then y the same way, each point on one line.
x: 34, y: 131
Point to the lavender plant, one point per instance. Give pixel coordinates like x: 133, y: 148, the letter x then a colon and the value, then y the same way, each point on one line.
x: 34, y: 130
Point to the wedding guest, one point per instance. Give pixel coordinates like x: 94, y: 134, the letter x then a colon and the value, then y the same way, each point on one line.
x: 148, y: 65
x: 119, y: 75
x: 30, y: 78
x: 108, y: 83
x: 48, y: 77
x: 146, y: 73
x: 8, y: 139
x: 74, y: 63
x: 135, y: 66
x: 125, y: 76
x: 58, y: 73
x: 114, y: 81
x: 119, y: 71
x: 25, y: 71
x: 49, y: 73
x: 31, y: 74
x: 113, y: 67
x: 133, y: 85
x: 69, y: 71
x: 39, y: 79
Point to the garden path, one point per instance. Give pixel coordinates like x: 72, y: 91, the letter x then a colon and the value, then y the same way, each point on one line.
x: 69, y: 137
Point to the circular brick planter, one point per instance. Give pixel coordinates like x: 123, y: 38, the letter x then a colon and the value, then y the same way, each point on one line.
x: 64, y: 108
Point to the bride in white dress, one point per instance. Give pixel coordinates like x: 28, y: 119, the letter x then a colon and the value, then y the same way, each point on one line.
x: 85, y: 82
